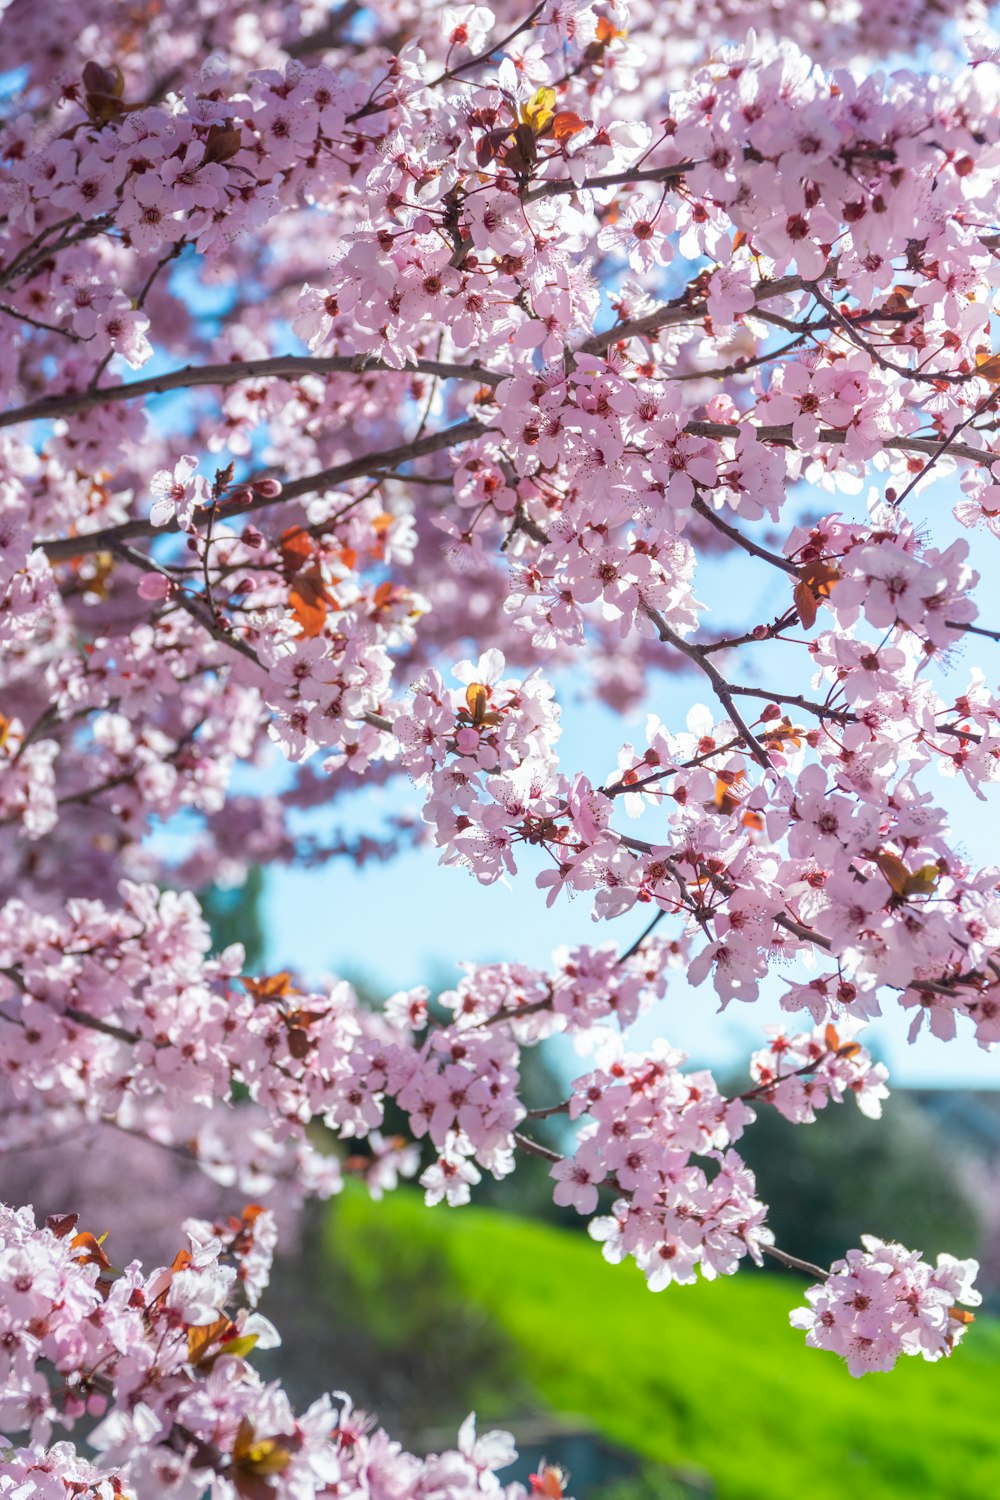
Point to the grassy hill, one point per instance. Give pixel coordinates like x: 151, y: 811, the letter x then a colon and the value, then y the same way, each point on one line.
x: 708, y: 1378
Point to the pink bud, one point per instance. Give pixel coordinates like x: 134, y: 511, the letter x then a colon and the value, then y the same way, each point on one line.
x: 155, y: 586
x: 267, y: 489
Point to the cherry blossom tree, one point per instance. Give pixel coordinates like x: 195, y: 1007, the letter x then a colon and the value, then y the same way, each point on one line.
x: 367, y: 370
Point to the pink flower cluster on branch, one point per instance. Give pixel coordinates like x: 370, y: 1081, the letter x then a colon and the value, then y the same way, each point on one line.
x: 163, y: 1358
x: 884, y: 1301
x: 471, y: 339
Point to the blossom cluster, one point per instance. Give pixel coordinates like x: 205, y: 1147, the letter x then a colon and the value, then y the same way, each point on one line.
x: 374, y: 380
x: 163, y: 1359
x: 116, y: 1014
x: 646, y: 1121
x: 884, y: 1301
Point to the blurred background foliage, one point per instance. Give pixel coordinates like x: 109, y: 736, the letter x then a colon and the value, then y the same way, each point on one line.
x: 828, y: 1183
x: 700, y: 1391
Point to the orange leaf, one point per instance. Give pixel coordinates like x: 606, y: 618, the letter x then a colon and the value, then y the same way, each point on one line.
x: 566, y: 123
x: 820, y: 576
x: 538, y: 112
x: 270, y: 986
x: 777, y: 734
x: 898, y: 300
x: 606, y: 31
x: 816, y: 581
x: 730, y: 789
x: 258, y: 1455
x: 296, y: 548
x: 241, y: 1346
x: 894, y: 870
x: 309, y: 602
x: 91, y: 1253
x: 831, y: 1038
x: 988, y: 366
x: 201, y: 1339
x: 383, y: 595
x: 923, y: 881
x: 476, y: 696
x: 805, y: 605
x: 961, y: 1316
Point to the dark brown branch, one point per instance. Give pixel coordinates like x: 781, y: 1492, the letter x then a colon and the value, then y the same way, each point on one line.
x: 106, y: 1028
x: 554, y: 187
x: 60, y: 548
x: 683, y: 310
x: 753, y: 548
x: 720, y: 686
x: 492, y: 50
x: 277, y: 367
x: 991, y: 635
x: 646, y: 932
x: 849, y: 327
x: 948, y: 445
x: 194, y: 605
x: 619, y: 788
x: 23, y: 317
x: 822, y: 710
x: 780, y: 919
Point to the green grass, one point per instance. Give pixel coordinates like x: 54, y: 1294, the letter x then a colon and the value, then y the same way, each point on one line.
x: 708, y: 1378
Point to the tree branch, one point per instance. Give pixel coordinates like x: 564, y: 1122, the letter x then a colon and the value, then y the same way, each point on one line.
x: 794, y: 1263
x: 276, y: 367
x: 534, y: 1149
x: 720, y: 686
x: 554, y: 187
x: 753, y: 548
x: 682, y: 310
x: 60, y: 548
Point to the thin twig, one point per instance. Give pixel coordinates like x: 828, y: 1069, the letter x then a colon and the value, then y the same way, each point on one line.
x: 644, y: 934
x: 720, y: 686
x: 794, y: 1263
x: 534, y: 1149
x: 754, y: 548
